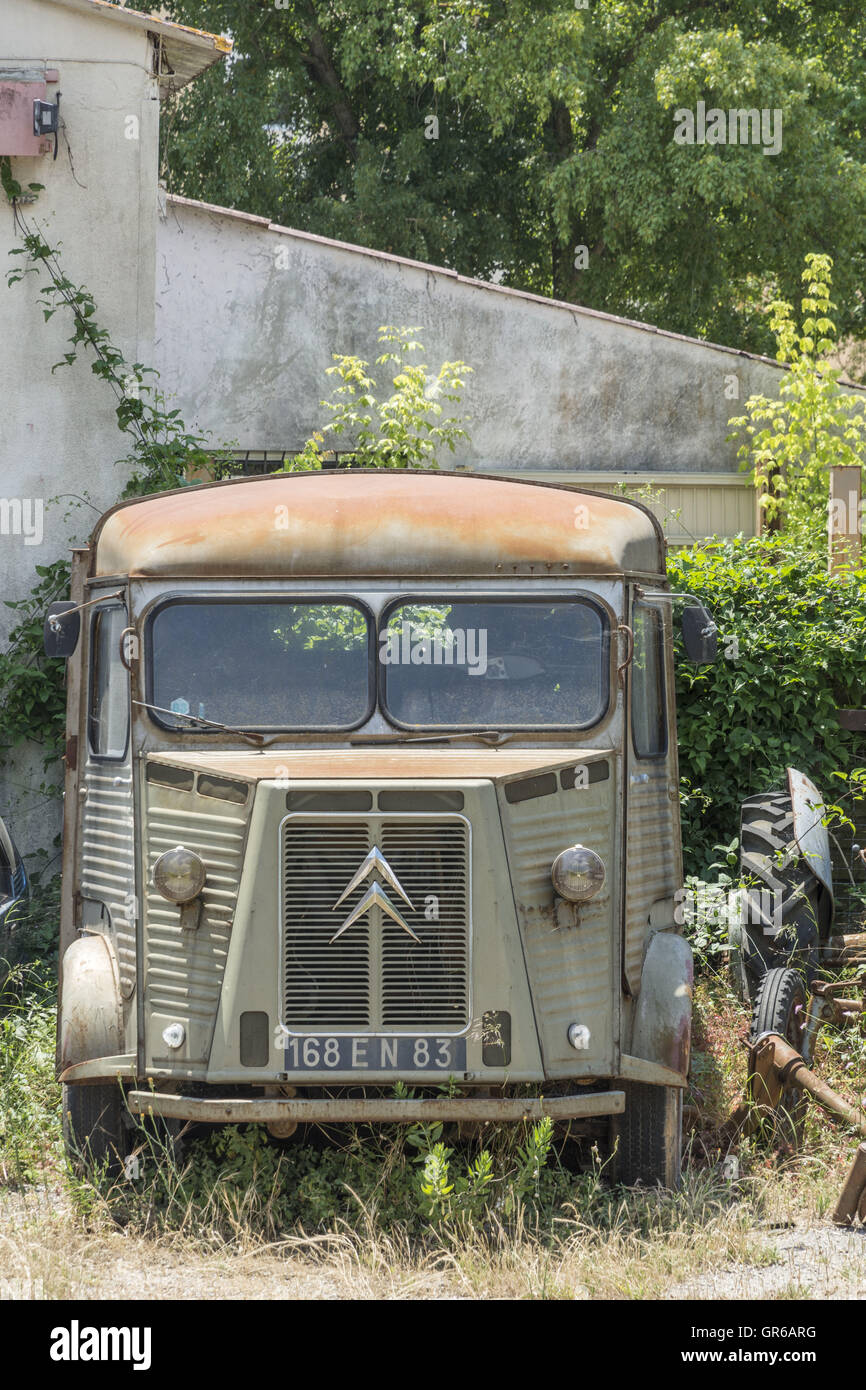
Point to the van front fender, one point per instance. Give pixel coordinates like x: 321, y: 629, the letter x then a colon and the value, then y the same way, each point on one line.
x: 91, y: 1018
x: 663, y: 1019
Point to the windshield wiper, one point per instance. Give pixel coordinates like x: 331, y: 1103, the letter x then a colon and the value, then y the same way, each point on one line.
x: 492, y: 737
x: 257, y: 739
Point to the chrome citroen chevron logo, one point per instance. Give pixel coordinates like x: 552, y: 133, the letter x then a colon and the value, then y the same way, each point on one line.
x: 375, y: 895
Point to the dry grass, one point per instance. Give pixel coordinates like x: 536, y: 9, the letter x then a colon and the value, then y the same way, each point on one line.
x: 644, y: 1243
x: 764, y: 1234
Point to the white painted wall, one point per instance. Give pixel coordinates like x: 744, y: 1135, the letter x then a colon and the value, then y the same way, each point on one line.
x: 248, y: 315
x: 58, y: 434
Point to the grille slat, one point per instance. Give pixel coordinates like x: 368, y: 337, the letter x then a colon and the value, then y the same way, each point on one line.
x: 375, y: 977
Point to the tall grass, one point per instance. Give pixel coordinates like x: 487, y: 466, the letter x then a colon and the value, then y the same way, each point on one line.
x: 29, y: 1095
x: 383, y: 1207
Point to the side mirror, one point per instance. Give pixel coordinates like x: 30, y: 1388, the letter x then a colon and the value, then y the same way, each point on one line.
x: 62, y: 629
x: 700, y: 635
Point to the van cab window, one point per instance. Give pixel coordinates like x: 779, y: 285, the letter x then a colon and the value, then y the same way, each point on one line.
x: 260, y: 664
x: 649, y: 732
x: 497, y: 664
x: 109, y: 690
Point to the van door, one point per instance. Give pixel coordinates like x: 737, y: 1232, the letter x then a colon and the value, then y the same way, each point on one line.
x: 107, y: 843
x: 653, y: 866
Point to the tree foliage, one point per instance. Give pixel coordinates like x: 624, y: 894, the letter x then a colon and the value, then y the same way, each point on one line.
x: 790, y: 653
x: 499, y: 136
x: 402, y: 430
x: 791, y: 442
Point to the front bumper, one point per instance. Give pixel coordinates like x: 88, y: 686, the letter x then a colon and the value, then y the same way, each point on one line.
x: 384, y: 1110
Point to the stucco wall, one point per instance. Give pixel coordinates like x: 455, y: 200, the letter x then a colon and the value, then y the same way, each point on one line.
x: 58, y: 433
x: 248, y: 314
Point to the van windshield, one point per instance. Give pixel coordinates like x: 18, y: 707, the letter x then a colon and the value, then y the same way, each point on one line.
x: 274, y: 664
x: 501, y: 664
x: 261, y: 664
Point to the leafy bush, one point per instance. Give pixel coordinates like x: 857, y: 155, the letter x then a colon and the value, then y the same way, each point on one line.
x: 32, y: 686
x: 236, y: 1179
x: 31, y: 929
x: 402, y: 430
x: 792, y: 649
x: 792, y: 442
x: 29, y: 1096
x: 707, y: 908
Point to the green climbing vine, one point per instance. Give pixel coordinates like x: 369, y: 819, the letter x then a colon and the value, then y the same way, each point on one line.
x: 161, y: 451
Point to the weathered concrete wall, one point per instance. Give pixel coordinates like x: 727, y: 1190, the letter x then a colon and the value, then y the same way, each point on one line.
x: 58, y: 433
x: 248, y: 315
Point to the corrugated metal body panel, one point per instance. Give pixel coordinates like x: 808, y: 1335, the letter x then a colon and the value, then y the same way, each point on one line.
x: 429, y: 990
x: 327, y: 985
x: 652, y: 858
x: 108, y: 858
x: 571, y: 970
x: 183, y: 968
x: 375, y: 976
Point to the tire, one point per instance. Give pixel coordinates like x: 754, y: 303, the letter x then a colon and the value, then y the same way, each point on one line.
x: 97, y: 1134
x: 650, y: 1134
x: 780, y: 1007
x: 782, y: 931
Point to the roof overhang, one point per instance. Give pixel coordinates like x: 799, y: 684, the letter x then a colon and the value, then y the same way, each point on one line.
x: 184, y: 52
x: 368, y: 523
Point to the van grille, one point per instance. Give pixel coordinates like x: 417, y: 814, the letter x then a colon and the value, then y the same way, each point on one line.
x: 375, y: 977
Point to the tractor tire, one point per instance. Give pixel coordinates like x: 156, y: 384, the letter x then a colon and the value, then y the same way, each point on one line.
x: 650, y: 1136
x: 97, y: 1133
x: 785, y: 905
x: 780, y: 1007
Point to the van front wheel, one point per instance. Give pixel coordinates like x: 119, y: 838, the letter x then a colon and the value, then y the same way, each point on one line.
x: 650, y: 1136
x: 96, y: 1129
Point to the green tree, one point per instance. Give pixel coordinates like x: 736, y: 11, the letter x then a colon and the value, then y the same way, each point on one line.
x: 790, y: 443
x: 499, y: 137
x: 405, y: 429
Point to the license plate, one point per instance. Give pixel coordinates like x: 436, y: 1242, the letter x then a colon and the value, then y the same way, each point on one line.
x: 323, y: 1053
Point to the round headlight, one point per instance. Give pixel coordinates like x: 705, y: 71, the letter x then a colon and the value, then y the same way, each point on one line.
x: 577, y: 874
x: 179, y: 875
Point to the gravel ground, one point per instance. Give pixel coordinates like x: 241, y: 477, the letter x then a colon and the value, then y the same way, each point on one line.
x: 809, y: 1261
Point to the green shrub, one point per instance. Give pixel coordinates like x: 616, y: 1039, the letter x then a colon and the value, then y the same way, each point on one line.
x: 792, y: 441
x: 29, y: 1095
x: 408, y: 1179
x: 405, y: 429
x: 792, y: 649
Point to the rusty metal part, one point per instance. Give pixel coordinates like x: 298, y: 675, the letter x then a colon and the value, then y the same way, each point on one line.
x: 846, y: 950
x: 832, y: 1005
x: 825, y: 990
x: 382, y: 1109
x: 281, y: 1129
x: 774, y: 1066
x: 852, y: 1199
x: 629, y: 650
x: 100, y: 1069
x: 293, y: 764
x: 360, y: 523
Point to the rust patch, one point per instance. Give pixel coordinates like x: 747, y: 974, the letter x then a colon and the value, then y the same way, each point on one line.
x: 378, y: 523
x: 368, y: 764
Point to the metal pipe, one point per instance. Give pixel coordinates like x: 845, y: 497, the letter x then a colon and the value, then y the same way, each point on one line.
x: 792, y: 1071
x: 267, y: 1110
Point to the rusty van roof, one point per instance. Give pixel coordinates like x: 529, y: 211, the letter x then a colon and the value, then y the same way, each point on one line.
x: 372, y: 522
